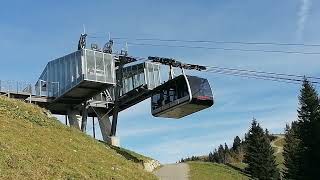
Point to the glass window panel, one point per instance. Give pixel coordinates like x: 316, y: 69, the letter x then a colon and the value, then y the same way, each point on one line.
x: 100, y: 72
x: 67, y: 71
x: 61, y: 77
x: 156, y: 77
x: 150, y: 77
x: 73, y: 69
x: 109, y: 68
x: 90, y: 65
x: 79, y: 65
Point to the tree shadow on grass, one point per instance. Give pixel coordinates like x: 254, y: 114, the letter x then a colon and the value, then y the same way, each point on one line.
x: 242, y: 171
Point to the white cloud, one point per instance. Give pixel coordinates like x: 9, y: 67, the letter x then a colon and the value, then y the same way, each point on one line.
x: 303, y: 13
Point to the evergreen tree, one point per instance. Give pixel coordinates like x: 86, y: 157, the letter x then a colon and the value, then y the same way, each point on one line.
x: 291, y: 153
x: 259, y: 154
x: 220, y: 154
x: 215, y: 156
x: 210, y: 157
x: 227, y: 155
x: 309, y: 130
x: 226, y: 148
x: 267, y: 132
x: 236, y: 143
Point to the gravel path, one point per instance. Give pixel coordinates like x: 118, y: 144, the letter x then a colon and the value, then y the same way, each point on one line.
x: 177, y: 171
x: 279, y: 149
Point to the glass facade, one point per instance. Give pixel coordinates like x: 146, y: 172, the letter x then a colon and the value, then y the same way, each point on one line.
x: 173, y: 90
x: 99, y: 67
x: 143, y: 74
x: 62, y: 74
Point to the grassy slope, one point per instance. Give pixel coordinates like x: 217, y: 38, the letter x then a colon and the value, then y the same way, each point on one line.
x: 278, y: 144
x: 130, y: 155
x: 207, y: 170
x: 37, y: 147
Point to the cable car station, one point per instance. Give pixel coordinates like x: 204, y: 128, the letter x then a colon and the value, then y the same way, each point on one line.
x: 99, y: 83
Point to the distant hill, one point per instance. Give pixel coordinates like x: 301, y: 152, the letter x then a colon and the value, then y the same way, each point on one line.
x: 208, y: 170
x: 35, y: 146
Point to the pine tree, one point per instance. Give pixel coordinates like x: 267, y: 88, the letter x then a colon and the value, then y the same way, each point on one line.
x: 309, y: 130
x: 236, y: 143
x: 210, y: 157
x: 267, y: 132
x: 259, y: 154
x: 227, y: 154
x: 215, y: 156
x: 220, y: 154
x: 291, y: 153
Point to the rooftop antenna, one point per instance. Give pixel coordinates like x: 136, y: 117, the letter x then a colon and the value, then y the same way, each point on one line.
x: 108, y: 46
x: 127, y: 48
x: 84, y: 28
x: 109, y: 36
x: 82, y: 41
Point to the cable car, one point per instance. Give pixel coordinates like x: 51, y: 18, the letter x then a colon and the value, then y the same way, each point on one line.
x: 181, y: 96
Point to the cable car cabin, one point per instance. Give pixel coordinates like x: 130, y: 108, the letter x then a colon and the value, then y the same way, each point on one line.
x: 181, y: 96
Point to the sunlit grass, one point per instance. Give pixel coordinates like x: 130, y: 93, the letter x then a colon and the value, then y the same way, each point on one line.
x: 34, y: 146
x: 207, y: 170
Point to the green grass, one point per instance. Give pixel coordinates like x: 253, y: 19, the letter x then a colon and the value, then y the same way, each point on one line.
x: 130, y: 155
x: 279, y: 142
x: 33, y: 146
x: 207, y: 170
x: 239, y: 165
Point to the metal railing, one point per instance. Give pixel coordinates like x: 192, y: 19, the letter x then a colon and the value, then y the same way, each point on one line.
x: 16, y: 87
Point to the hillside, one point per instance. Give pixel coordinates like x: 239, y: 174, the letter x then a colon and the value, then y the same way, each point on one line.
x: 278, y: 144
x: 34, y: 146
x: 208, y: 170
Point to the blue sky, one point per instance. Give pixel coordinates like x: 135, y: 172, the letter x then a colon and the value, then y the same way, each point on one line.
x: 31, y: 34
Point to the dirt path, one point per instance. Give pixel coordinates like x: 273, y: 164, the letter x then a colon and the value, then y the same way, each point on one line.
x: 173, y: 172
x: 279, y: 149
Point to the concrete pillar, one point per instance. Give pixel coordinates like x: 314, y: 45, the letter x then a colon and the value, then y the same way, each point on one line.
x: 105, y: 124
x: 105, y: 127
x: 75, y: 119
x: 114, y: 141
x: 84, y: 119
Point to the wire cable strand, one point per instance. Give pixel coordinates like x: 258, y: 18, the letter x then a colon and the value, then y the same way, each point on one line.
x: 236, y: 73
x: 252, y: 73
x: 218, y: 42
x: 255, y: 77
x: 225, y: 49
x: 262, y: 72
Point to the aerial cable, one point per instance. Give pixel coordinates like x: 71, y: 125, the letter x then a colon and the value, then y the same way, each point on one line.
x: 261, y: 72
x: 225, y: 49
x: 218, y: 42
x: 233, y: 71
x: 283, y: 79
x: 245, y: 72
x: 257, y: 76
x: 254, y: 77
x: 267, y: 76
x: 96, y: 35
